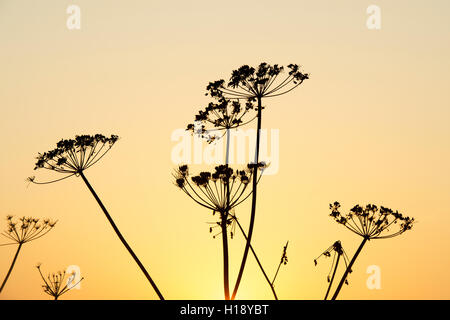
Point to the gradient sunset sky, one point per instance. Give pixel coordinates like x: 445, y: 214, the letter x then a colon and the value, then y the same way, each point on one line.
x: 371, y: 125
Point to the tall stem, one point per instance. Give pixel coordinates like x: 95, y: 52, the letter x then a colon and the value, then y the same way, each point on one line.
x: 226, y: 272
x: 226, y: 284
x: 227, y: 158
x: 253, y: 212
x: 227, y: 152
x: 349, y: 268
x: 124, y: 242
x: 11, y: 267
x: 332, y: 277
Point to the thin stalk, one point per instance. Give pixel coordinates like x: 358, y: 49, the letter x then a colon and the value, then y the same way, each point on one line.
x: 347, y: 271
x: 259, y: 263
x: 332, y: 277
x: 227, y: 154
x: 276, y: 273
x: 226, y: 284
x: 124, y: 242
x: 11, y: 267
x: 253, y: 212
x: 226, y: 272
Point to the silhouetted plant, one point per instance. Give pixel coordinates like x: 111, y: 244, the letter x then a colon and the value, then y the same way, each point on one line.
x: 74, y: 156
x: 283, y: 261
x: 223, y: 116
x: 219, y: 191
x: 208, y: 189
x: 57, y: 283
x: 370, y: 223
x: 283, y: 257
x: 21, y: 231
x: 337, y: 251
x: 254, y: 85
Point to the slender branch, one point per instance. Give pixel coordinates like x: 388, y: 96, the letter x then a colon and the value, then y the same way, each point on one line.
x: 257, y: 260
x: 332, y: 277
x: 349, y: 268
x: 11, y: 267
x: 226, y: 284
x: 124, y: 242
x: 253, y: 212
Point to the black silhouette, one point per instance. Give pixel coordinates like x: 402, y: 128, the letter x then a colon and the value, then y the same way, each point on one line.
x: 57, y: 284
x: 219, y: 191
x: 370, y: 223
x: 73, y: 157
x: 338, y: 251
x: 253, y: 85
x: 224, y: 115
x: 26, y: 229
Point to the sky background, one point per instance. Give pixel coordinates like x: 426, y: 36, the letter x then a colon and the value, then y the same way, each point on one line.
x: 369, y: 126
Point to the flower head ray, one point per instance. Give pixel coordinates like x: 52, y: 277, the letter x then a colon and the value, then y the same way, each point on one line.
x: 72, y: 156
x: 26, y: 229
x: 220, y: 190
x: 224, y: 115
x: 250, y: 83
x: 372, y: 222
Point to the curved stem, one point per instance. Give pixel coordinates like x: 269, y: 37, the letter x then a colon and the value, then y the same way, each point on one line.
x: 332, y: 277
x: 11, y: 267
x: 253, y: 212
x: 124, y: 242
x: 349, y: 268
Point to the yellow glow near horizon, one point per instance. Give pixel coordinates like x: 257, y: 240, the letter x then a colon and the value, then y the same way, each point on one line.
x: 369, y: 126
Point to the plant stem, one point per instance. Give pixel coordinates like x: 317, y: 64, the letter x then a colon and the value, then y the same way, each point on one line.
x: 276, y: 273
x: 227, y: 154
x: 11, y: 267
x: 253, y: 212
x: 349, y: 268
x: 226, y: 272
x: 111, y: 221
x: 332, y: 277
x: 226, y: 284
x: 257, y: 260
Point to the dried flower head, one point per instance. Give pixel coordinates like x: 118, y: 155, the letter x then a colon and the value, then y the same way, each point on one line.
x: 284, y: 258
x: 57, y: 284
x: 26, y: 229
x: 250, y: 83
x: 209, y: 189
x: 224, y: 115
x: 334, y: 250
x: 372, y: 222
x: 73, y: 156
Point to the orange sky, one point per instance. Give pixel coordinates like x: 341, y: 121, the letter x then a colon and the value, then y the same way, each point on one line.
x: 370, y: 125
